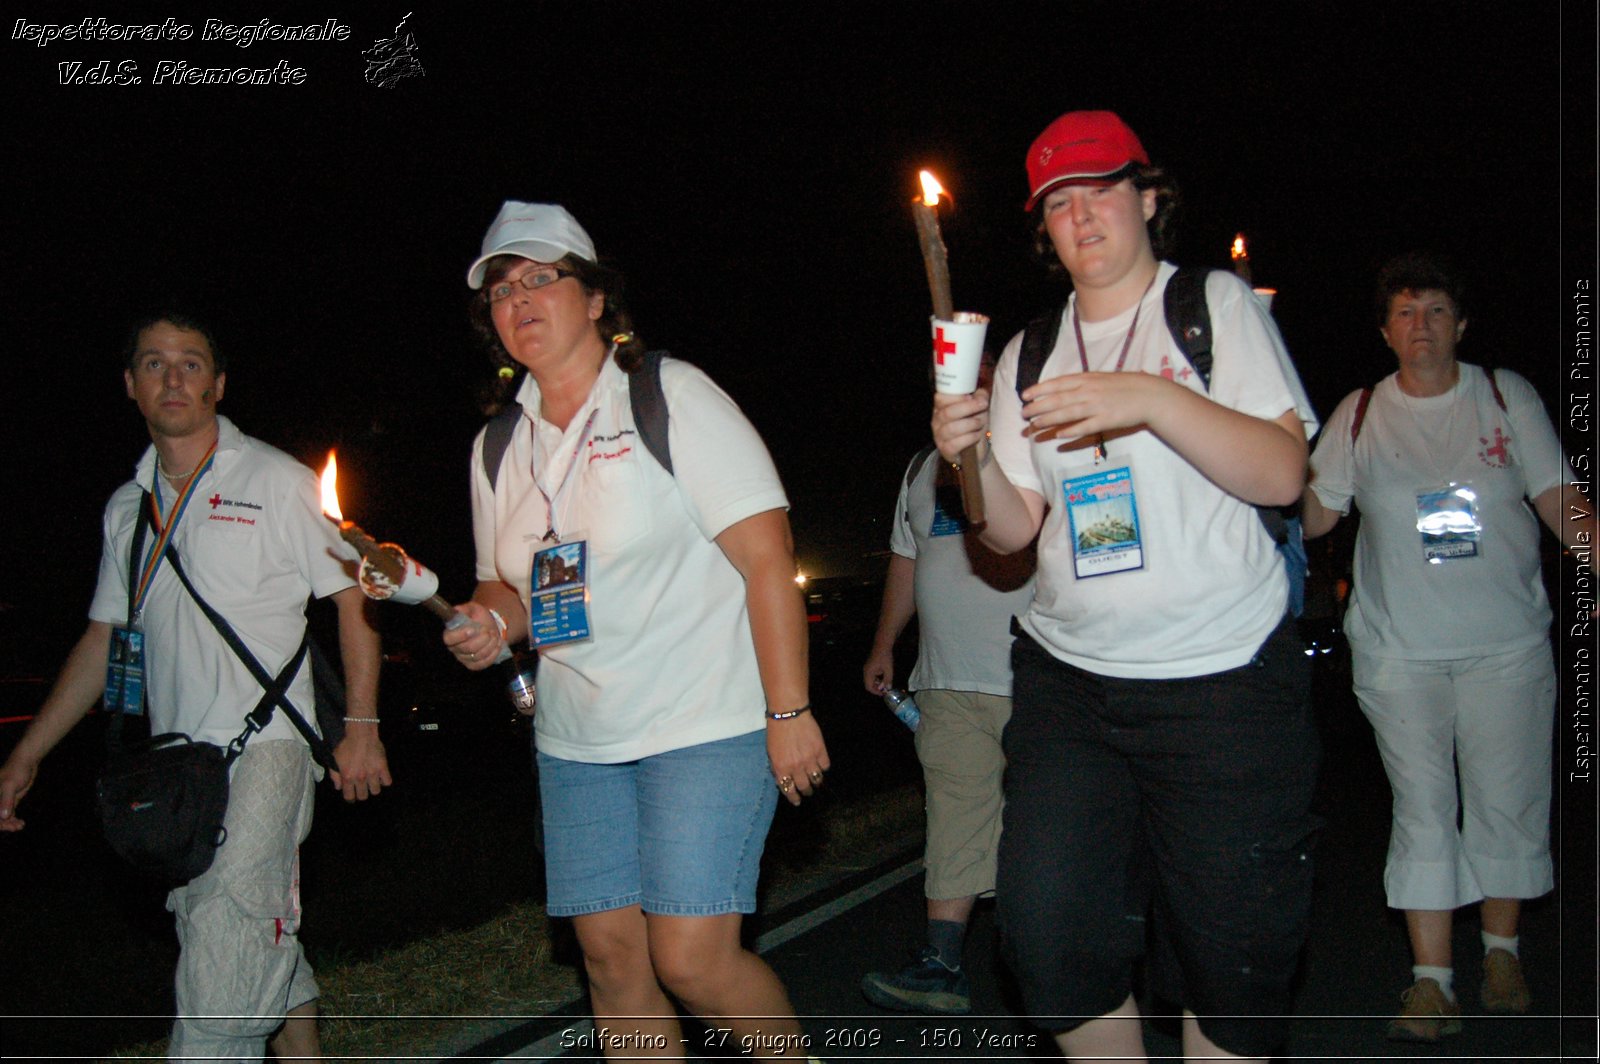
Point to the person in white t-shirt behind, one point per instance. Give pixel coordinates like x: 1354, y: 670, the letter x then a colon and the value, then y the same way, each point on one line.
x: 964, y: 597
x: 1449, y: 628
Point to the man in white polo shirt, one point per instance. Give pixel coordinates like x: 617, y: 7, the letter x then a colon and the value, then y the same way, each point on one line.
x: 256, y: 547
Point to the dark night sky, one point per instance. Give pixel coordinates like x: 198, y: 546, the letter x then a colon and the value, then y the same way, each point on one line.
x: 749, y: 166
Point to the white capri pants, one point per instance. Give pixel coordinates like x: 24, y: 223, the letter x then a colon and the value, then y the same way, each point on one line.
x: 1494, y: 717
x: 241, y: 968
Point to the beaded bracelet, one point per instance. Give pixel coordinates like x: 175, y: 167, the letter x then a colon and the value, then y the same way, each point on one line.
x: 790, y: 714
x: 361, y: 720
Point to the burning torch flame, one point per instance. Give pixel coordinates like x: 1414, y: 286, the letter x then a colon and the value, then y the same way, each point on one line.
x: 1239, y: 251
x: 330, y: 489
x: 931, y: 189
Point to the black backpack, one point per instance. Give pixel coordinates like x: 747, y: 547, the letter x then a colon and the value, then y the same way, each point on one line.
x: 649, y: 404
x: 1189, y: 321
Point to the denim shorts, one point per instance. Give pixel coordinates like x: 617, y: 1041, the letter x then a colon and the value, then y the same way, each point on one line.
x: 678, y: 833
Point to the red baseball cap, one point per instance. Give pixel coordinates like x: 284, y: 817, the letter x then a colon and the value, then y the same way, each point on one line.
x: 1080, y: 145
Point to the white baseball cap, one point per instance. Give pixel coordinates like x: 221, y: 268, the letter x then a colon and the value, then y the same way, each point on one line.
x: 543, y: 232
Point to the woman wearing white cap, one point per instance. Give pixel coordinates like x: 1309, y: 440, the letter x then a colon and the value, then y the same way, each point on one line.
x: 1160, y: 755
x: 672, y: 645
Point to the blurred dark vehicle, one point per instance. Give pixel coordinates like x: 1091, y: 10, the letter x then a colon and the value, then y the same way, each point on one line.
x: 843, y: 611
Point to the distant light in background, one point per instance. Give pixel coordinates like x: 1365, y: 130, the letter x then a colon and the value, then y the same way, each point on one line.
x: 800, y: 578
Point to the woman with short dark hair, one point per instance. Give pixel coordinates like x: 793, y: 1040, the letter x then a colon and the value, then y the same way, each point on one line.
x: 1449, y: 628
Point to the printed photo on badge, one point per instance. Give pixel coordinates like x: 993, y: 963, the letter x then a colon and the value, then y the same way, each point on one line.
x: 559, y: 567
x: 558, y: 608
x: 1103, y: 522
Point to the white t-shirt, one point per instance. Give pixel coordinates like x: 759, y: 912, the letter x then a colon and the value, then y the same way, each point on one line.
x: 1403, y: 605
x: 256, y: 546
x: 670, y: 662
x: 1212, y: 585
x: 966, y: 594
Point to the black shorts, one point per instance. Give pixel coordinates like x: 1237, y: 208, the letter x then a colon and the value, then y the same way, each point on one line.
x: 1187, y: 801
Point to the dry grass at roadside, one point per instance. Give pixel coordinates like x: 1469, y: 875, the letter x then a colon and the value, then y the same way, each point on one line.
x: 412, y: 998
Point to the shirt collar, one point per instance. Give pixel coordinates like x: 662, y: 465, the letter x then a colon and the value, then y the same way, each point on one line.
x: 611, y: 376
x: 229, y: 440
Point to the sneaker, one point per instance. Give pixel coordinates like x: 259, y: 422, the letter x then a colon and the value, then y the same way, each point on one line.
x: 1427, y: 1016
x: 928, y: 985
x: 1504, y: 989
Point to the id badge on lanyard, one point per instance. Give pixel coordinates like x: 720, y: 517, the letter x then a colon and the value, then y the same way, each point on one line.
x: 1103, y: 522
x: 1448, y: 521
x: 558, y: 580
x: 558, y: 608
x: 125, y: 671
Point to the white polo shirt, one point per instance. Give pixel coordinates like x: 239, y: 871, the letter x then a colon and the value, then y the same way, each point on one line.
x: 256, y: 546
x: 670, y: 662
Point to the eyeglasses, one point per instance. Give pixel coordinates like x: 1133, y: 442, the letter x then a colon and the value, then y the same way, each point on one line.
x: 532, y: 280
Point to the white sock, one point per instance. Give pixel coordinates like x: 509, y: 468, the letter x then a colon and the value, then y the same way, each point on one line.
x: 1496, y: 942
x: 1445, y: 977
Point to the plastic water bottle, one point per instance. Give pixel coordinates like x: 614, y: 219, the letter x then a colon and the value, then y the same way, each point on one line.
x: 902, y: 705
x: 520, y: 683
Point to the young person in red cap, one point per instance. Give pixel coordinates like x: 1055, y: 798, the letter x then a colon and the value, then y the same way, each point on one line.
x: 1161, y: 754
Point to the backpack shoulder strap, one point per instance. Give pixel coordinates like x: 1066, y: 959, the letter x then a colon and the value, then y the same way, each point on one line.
x: 496, y: 438
x: 919, y: 460
x: 1494, y: 386
x: 649, y: 404
x: 1038, y: 339
x: 1189, y: 318
x: 1361, y: 413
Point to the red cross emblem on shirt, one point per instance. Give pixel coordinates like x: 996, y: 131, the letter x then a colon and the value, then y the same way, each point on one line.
x: 1495, y: 455
x: 215, y: 501
x: 942, y: 347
